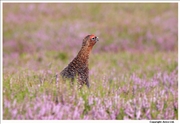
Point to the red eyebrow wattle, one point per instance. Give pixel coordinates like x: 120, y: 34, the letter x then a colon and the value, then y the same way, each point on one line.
x: 92, y: 36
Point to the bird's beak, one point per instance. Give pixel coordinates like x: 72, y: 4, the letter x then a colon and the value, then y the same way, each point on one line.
x: 97, y: 39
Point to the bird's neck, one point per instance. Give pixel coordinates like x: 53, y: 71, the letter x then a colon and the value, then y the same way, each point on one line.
x: 83, y: 54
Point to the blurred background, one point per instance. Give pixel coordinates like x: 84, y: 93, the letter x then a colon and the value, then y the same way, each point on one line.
x: 133, y: 68
x: 42, y: 32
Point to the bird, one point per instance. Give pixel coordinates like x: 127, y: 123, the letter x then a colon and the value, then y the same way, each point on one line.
x: 78, y: 67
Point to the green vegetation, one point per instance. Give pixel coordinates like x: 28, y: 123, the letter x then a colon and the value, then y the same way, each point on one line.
x: 133, y: 68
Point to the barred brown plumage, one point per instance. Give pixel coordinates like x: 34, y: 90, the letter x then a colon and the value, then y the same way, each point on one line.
x: 78, y: 67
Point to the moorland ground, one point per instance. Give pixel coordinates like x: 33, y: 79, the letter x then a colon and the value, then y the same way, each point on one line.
x: 133, y: 67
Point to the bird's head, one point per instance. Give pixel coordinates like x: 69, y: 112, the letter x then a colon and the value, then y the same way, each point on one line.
x: 90, y: 41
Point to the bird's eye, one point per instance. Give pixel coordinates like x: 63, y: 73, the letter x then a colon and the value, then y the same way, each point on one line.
x: 93, y: 38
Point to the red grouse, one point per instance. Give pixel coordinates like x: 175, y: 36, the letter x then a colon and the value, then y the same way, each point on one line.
x: 78, y: 67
